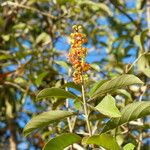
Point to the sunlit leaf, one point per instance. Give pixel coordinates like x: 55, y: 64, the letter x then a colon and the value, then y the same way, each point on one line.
x: 3, y: 57
x: 63, y: 64
x: 146, y: 71
x: 62, y: 141
x: 129, y: 113
x: 139, y: 39
x: 143, y: 62
x: 6, y: 37
x: 20, y: 25
x: 20, y: 80
x: 43, y: 37
x: 55, y: 92
x: 107, y: 107
x: 45, y: 119
x: 40, y: 77
x: 124, y: 93
x: 95, y: 67
x: 105, y: 140
x: 129, y: 146
x: 116, y: 83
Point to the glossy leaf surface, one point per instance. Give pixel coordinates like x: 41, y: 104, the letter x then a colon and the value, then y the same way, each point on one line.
x: 45, y: 119
x: 130, y: 112
x: 62, y: 141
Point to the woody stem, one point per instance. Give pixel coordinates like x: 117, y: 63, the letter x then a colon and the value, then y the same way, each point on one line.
x: 86, y: 108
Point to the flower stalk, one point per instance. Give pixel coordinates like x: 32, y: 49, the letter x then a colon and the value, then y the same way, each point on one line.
x: 86, y: 109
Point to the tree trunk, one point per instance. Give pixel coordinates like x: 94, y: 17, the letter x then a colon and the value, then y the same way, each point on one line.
x: 148, y: 21
x: 12, y: 138
x: 11, y: 125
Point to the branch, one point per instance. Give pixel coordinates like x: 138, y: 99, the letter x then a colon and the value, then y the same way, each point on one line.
x: 14, y: 85
x: 128, y: 69
x: 28, y: 8
x: 123, y: 12
x: 148, y: 21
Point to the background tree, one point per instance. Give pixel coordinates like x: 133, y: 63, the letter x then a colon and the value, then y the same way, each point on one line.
x: 33, y: 51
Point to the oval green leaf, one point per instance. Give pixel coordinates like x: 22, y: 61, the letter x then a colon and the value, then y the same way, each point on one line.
x: 129, y: 113
x: 105, y: 140
x: 63, y: 64
x: 55, y: 92
x: 107, y: 107
x: 139, y: 39
x: 129, y: 146
x: 116, y: 83
x: 45, y: 119
x: 40, y: 78
x: 62, y: 141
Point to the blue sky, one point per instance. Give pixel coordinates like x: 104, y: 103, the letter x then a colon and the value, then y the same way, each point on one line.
x: 63, y: 45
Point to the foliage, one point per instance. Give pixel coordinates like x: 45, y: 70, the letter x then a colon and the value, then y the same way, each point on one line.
x: 38, y: 98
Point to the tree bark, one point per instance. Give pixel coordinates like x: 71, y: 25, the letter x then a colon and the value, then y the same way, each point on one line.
x: 12, y: 138
x: 148, y: 21
x: 11, y: 125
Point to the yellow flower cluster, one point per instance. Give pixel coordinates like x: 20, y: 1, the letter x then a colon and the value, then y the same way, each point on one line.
x: 78, y: 54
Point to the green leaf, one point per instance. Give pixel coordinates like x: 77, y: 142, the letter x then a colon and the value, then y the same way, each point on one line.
x: 20, y: 25
x: 20, y: 81
x: 77, y: 104
x: 107, y: 107
x: 116, y: 83
x: 124, y: 93
x: 43, y: 37
x: 4, y: 57
x: 96, y: 86
x: 62, y: 141
x: 73, y: 85
x: 40, y: 77
x: 45, y: 119
x: 95, y: 67
x: 104, y: 140
x: 63, y: 64
x: 146, y: 71
x: 129, y: 146
x: 63, y: 2
x: 6, y: 37
x: 55, y: 92
x: 143, y: 62
x: 143, y: 36
x: 129, y: 113
x: 139, y: 39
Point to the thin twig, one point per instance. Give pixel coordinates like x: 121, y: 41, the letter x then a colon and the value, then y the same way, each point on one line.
x: 141, y: 121
x: 95, y: 127
x: 86, y: 108
x: 14, y: 85
x: 69, y: 120
x: 135, y: 62
x: 28, y: 8
x: 140, y: 141
x: 5, y: 52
